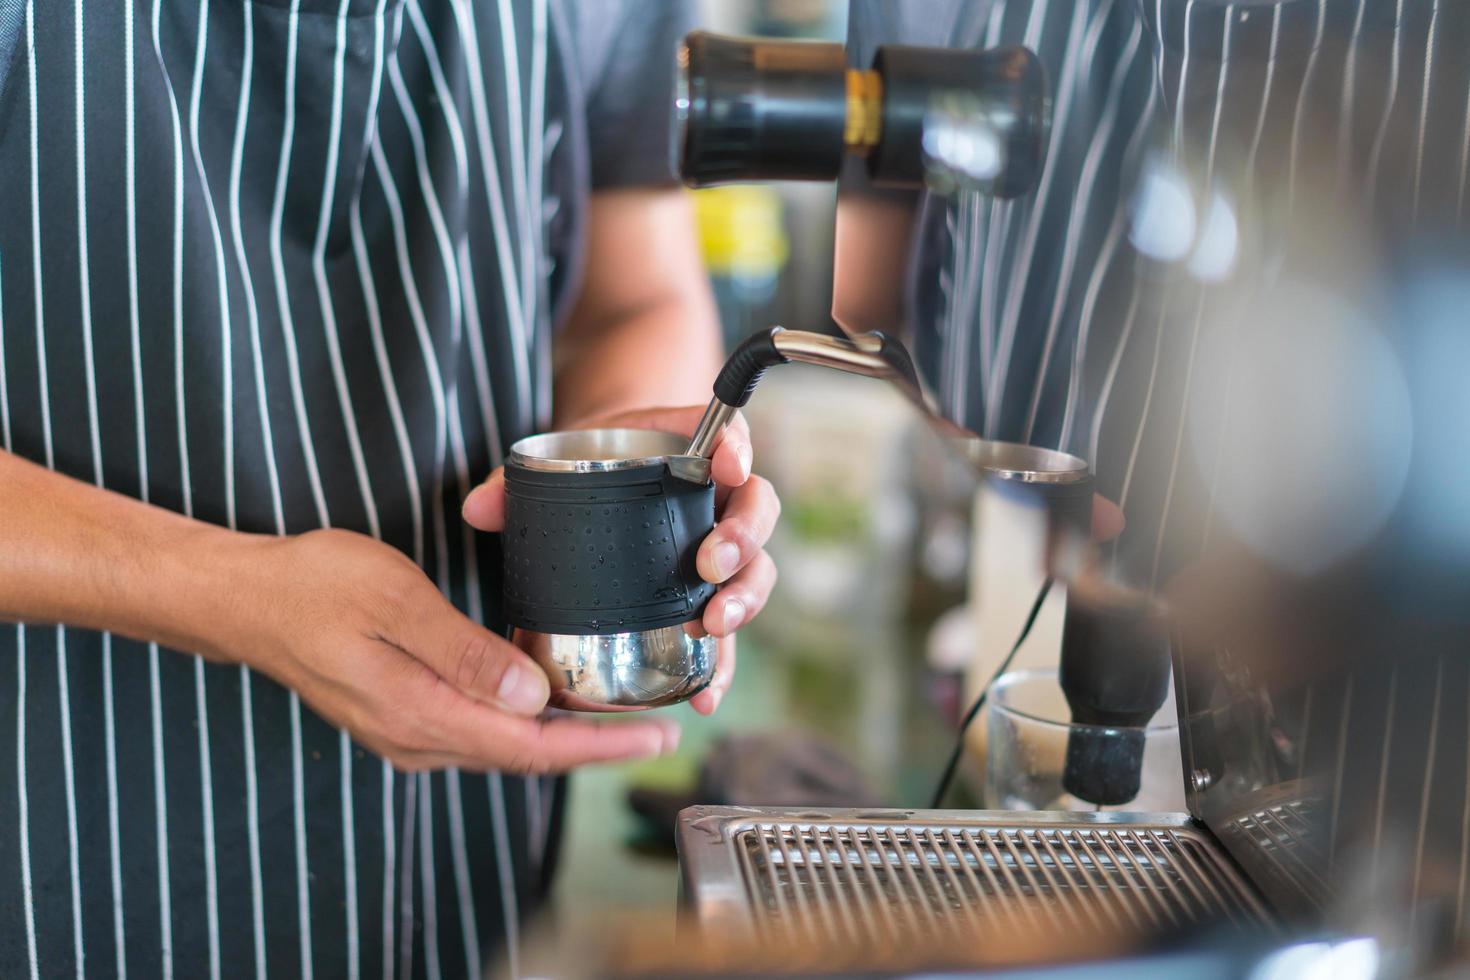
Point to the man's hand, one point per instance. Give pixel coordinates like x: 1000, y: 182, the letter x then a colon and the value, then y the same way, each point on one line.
x: 348, y: 622
x: 365, y: 638
x: 733, y: 554
x: 1107, y: 519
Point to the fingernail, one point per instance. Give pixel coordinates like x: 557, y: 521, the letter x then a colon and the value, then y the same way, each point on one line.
x: 672, y: 735
x: 734, y: 614
x: 521, y: 691
x: 725, y: 557
x: 743, y: 454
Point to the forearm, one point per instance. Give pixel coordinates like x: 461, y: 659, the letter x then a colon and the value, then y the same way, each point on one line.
x: 654, y: 357
x: 645, y: 331
x: 76, y: 554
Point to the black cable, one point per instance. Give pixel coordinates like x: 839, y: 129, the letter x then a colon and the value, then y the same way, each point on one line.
x: 959, y: 745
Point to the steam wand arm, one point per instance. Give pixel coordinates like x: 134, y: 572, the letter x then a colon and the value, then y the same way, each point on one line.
x: 873, y: 355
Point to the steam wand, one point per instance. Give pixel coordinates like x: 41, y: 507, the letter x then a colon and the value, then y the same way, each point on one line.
x: 1115, y: 660
x: 872, y: 355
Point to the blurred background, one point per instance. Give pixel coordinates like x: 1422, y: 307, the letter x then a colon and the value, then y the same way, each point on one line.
x: 851, y: 681
x: 1264, y: 366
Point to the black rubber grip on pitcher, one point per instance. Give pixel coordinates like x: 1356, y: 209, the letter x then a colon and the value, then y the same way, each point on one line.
x: 600, y: 553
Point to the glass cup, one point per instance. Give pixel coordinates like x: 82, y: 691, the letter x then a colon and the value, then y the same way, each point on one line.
x: 1027, y: 730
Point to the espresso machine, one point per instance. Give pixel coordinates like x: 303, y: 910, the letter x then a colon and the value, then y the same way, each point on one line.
x: 1294, y: 568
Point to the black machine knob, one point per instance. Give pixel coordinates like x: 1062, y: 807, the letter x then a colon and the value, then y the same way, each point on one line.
x: 754, y: 109
x: 759, y: 109
x: 973, y: 119
x: 1115, y: 673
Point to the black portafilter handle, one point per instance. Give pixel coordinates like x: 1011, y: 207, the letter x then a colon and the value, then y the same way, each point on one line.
x: 750, y: 109
x: 1115, y: 674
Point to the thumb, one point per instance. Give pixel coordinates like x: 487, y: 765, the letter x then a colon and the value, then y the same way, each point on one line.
x: 484, y: 508
x: 474, y: 660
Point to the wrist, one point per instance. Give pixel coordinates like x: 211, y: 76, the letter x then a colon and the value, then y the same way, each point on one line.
x: 211, y: 593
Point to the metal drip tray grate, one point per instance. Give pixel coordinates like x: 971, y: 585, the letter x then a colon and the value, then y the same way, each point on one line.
x: 1280, y: 843
x: 863, y: 874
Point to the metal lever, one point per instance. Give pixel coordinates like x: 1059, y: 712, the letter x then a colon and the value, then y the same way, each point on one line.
x: 872, y: 355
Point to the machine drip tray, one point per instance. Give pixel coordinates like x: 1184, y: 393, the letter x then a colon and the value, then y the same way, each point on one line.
x: 839, y: 877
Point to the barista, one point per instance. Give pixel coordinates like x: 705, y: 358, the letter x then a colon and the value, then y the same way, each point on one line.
x: 277, y: 289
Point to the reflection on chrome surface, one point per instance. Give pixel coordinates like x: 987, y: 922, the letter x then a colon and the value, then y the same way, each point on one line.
x: 624, y: 671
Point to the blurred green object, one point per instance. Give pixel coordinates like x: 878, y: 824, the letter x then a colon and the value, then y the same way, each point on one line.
x: 816, y: 520
x: 827, y: 689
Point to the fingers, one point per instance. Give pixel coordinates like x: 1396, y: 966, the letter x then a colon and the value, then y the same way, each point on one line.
x: 561, y: 743
x: 740, y: 598
x: 484, y: 508
x: 706, y: 701
x: 477, y: 736
x: 745, y: 526
x: 420, y: 722
x: 1107, y: 519
x: 731, y: 462
x: 470, y: 658
x: 730, y: 465
x: 680, y: 420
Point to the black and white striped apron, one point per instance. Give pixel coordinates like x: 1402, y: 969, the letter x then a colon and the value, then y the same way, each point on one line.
x: 1040, y: 321
x: 280, y: 265
x: 1031, y: 317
